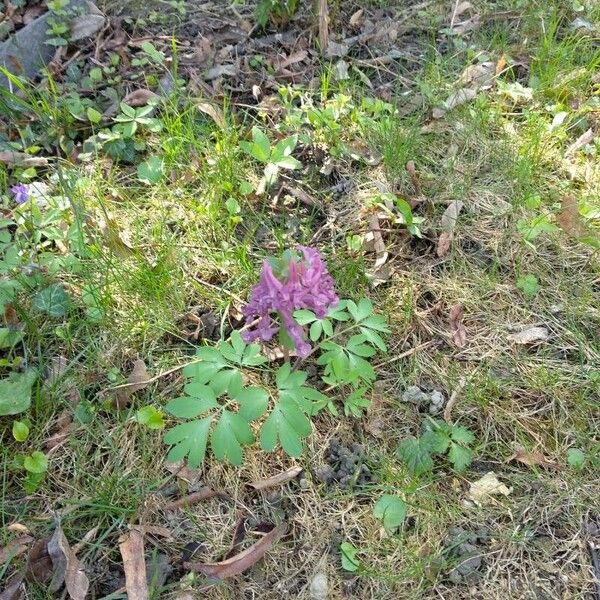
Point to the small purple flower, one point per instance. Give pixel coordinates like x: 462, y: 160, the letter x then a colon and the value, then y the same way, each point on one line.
x: 303, y: 283
x: 20, y: 192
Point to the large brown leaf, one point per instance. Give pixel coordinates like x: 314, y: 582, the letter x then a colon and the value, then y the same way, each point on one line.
x: 134, y: 565
x: 137, y: 380
x: 242, y: 561
x: 459, y: 333
x: 67, y: 568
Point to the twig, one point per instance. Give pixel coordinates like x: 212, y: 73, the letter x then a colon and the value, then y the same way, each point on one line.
x: 323, y: 25
x: 218, y: 288
x: 204, y: 494
x: 454, y: 399
x: 406, y: 353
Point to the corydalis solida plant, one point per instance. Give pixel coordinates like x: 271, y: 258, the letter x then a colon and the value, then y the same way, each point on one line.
x: 296, y: 281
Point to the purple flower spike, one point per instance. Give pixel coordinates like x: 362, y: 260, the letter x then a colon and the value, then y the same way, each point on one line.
x: 303, y: 283
x: 20, y: 193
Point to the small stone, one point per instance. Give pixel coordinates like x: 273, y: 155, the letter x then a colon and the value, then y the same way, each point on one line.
x: 436, y: 403
x: 304, y: 484
x: 319, y: 587
x: 414, y: 395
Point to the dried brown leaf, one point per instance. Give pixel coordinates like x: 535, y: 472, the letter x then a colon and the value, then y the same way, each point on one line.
x: 14, y: 590
x: 67, y: 568
x: 448, y: 223
x: 482, y: 490
x: 532, y: 458
x: 15, y: 548
x: 356, y: 20
x: 411, y: 169
x: 39, y: 563
x: 478, y: 76
x: 131, y: 546
x: 531, y: 335
x: 140, y: 97
x: 459, y: 333
x: 292, y: 59
x: 18, y: 528
x: 216, y: 114
x: 461, y: 96
x: 278, y: 479
x: 568, y: 218
x: 380, y: 272
x: 137, y: 380
x: 20, y: 159
x: 242, y: 561
x: 583, y: 140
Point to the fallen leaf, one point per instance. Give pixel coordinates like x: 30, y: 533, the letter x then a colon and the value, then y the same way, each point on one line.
x: 482, y: 490
x: 500, y: 65
x: 273, y: 353
x: 203, y: 494
x: 583, y: 140
x: 530, y: 336
x: 414, y: 178
x: 182, y: 471
x: 18, y: 528
x: 20, y: 159
x: 336, y: 50
x: 532, y: 458
x: 340, y: 70
x: 568, y: 218
x: 58, y: 365
x: 131, y: 546
x: 213, y: 112
x: 292, y: 59
x: 67, y: 568
x: 303, y: 196
x: 278, y: 479
x: 89, y: 537
x: 140, y: 97
x: 114, y: 240
x: 220, y: 71
x: 137, y: 380
x: 459, y: 333
x: 15, y: 548
x: 455, y: 99
x: 356, y: 20
x: 157, y: 530
x: 39, y: 563
x: 448, y: 223
x: 478, y: 76
x: 242, y: 561
x: 62, y: 428
x: 380, y: 272
x: 14, y: 590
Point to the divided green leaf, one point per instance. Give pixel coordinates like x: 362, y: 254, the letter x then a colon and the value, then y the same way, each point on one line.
x: 391, y: 510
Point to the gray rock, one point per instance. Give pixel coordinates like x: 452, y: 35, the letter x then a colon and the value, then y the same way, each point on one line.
x: 436, y: 402
x: 26, y: 52
x: 415, y: 395
x: 319, y: 587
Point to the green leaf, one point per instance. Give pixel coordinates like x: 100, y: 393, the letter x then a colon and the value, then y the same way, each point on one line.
x: 36, y: 462
x: 186, y: 407
x: 253, y: 402
x: 286, y: 425
x: 435, y: 441
x: 361, y: 311
x: 459, y: 456
x: 20, y: 431
x: 151, y: 171
x: 252, y: 356
x: 9, y: 337
x: 222, y: 380
x: 316, y: 329
x: 189, y: 439
x: 373, y: 338
x: 391, y: 511
x: 529, y: 285
x: 415, y: 455
x: 289, y: 162
x: 349, y: 560
x: 15, y: 392
x: 227, y: 438
x: 52, y: 300
x: 260, y: 148
x: 93, y: 115
x: 304, y: 316
x: 355, y: 403
x: 576, y: 458
x: 338, y: 312
x: 462, y: 435
x: 127, y: 110
x: 405, y: 210
x: 151, y: 417
x: 376, y: 322
x: 284, y: 148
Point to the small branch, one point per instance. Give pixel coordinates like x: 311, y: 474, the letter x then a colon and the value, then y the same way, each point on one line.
x: 454, y: 399
x: 204, y: 494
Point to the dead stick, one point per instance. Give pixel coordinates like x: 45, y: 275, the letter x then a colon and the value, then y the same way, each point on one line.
x: 454, y: 399
x: 204, y: 494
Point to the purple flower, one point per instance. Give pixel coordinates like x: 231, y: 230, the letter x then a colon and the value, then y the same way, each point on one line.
x: 20, y: 192
x: 303, y: 283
